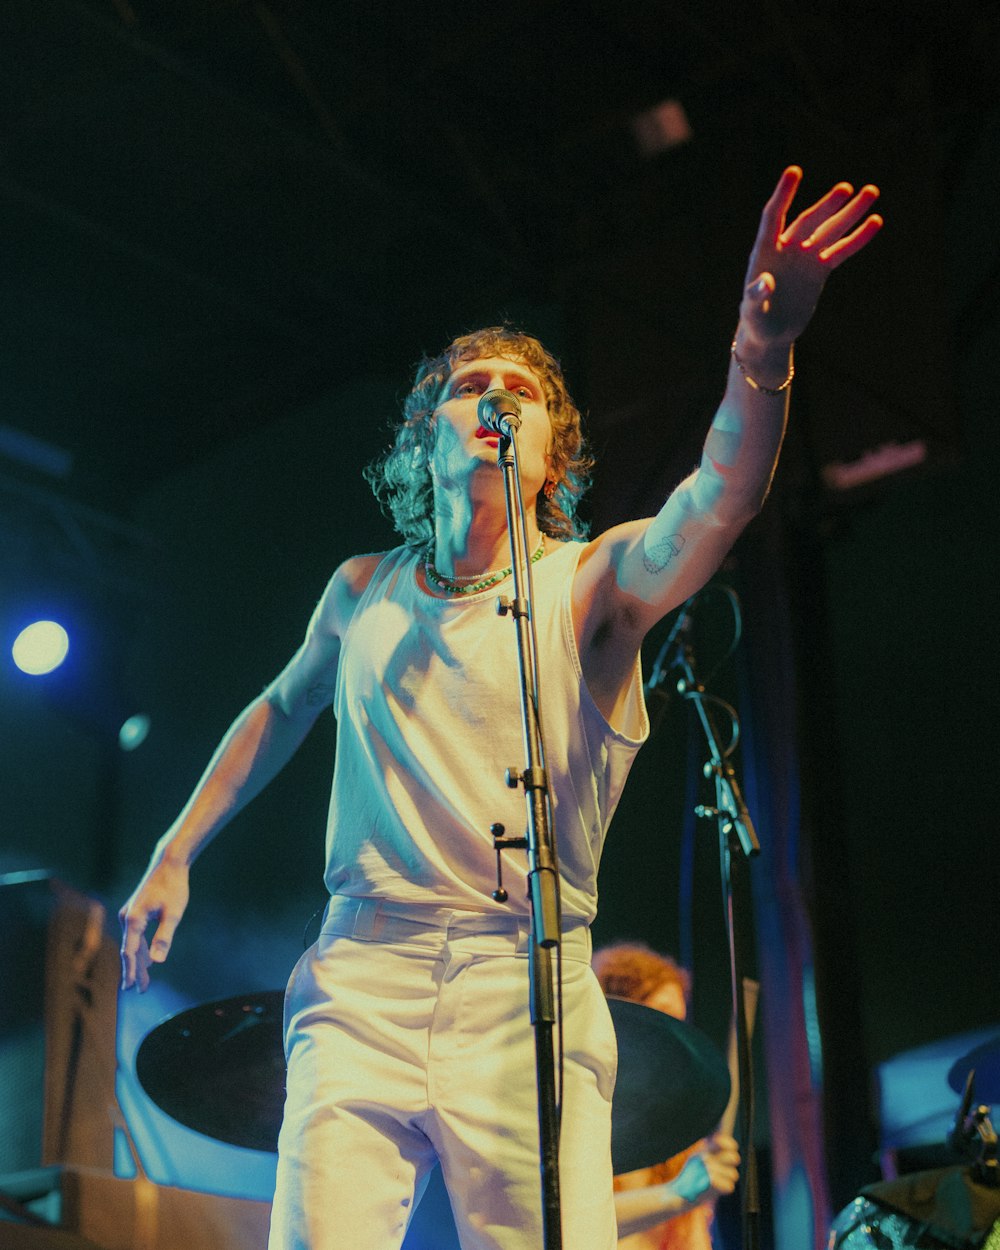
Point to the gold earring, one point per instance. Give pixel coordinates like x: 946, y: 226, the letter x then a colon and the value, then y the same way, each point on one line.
x: 549, y: 489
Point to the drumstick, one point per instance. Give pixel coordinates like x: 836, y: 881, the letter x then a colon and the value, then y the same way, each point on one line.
x: 751, y: 989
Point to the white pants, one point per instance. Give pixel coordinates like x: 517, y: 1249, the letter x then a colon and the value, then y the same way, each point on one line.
x: 408, y: 1039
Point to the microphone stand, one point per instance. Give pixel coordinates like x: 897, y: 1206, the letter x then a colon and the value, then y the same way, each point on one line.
x: 543, y: 873
x: 736, y: 837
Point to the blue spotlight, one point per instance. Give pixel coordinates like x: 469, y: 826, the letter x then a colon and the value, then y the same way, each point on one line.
x: 40, y: 647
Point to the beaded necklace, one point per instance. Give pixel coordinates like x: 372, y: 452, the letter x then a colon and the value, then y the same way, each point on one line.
x: 483, y: 581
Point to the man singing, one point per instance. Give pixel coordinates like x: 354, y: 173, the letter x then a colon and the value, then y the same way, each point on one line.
x: 407, y: 1027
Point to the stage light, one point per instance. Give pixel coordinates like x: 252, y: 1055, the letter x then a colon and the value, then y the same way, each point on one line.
x: 40, y: 648
x: 134, y: 731
x: 661, y: 128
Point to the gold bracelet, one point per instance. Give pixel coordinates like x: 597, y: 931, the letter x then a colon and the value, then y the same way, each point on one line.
x: 764, y: 390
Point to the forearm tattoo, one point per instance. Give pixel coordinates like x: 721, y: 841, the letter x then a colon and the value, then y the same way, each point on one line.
x: 655, y: 558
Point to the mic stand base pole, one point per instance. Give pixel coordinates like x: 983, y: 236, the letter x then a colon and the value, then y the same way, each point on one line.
x: 543, y: 1017
x: 543, y: 877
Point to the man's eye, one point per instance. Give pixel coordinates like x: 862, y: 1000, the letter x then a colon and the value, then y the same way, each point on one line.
x: 466, y: 388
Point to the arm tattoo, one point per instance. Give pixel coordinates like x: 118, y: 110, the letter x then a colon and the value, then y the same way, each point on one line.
x: 318, y: 692
x: 656, y: 558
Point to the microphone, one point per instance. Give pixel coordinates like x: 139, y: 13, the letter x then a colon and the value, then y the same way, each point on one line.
x: 500, y: 411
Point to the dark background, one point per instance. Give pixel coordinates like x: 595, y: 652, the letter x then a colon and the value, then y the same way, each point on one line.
x: 229, y: 230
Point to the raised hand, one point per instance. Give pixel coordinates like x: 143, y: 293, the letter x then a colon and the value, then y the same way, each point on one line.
x: 790, y: 262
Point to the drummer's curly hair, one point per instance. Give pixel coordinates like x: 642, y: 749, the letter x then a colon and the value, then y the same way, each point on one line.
x: 401, y: 477
x: 635, y: 971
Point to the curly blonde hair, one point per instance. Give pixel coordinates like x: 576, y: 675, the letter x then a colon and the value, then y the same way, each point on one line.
x: 401, y: 477
x: 633, y: 970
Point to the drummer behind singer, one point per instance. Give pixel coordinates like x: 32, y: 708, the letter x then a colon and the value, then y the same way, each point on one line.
x: 670, y: 1206
x: 407, y: 1031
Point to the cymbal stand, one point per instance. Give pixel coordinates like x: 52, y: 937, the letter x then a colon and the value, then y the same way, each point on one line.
x: 737, y: 837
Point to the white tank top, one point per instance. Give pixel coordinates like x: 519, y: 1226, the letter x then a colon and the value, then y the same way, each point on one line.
x: 428, y: 711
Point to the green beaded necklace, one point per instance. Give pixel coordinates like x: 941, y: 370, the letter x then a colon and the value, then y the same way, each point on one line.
x: 484, y: 581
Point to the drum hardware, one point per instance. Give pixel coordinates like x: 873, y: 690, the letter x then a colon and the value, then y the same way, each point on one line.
x: 219, y: 1069
x: 952, y: 1208
x: 984, y: 1060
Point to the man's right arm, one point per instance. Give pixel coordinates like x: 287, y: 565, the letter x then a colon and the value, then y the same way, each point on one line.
x: 258, y: 744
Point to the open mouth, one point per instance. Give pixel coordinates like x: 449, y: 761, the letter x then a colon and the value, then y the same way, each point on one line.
x: 483, y: 432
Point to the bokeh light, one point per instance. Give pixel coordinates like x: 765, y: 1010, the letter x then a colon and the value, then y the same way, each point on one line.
x: 40, y: 647
x: 134, y: 731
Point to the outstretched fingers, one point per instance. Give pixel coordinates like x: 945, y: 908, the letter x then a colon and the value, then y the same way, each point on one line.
x: 790, y: 263
x: 846, y: 247
x: 809, y: 220
x: 826, y: 233
x: 772, y: 221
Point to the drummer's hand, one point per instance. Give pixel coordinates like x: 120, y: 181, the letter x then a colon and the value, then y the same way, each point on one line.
x: 712, y: 1172
x: 161, y: 896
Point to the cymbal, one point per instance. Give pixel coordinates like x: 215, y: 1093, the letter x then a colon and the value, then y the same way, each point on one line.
x: 986, y: 1061
x: 673, y: 1086
x: 219, y: 1068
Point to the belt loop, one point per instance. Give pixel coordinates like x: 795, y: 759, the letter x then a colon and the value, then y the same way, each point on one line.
x: 577, y: 943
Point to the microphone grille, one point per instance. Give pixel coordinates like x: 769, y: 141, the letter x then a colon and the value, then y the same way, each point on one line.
x: 501, y: 402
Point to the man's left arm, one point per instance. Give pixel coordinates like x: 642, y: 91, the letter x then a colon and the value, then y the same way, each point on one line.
x: 710, y: 1173
x: 635, y: 573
